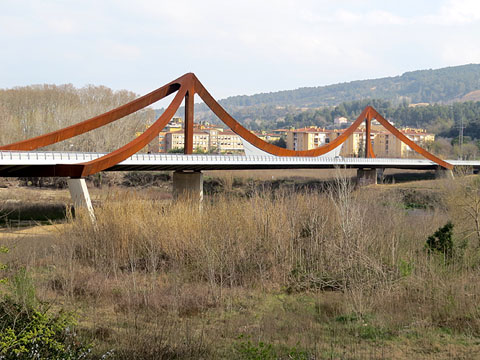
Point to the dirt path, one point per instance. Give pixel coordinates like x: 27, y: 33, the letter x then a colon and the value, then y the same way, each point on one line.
x: 34, y: 231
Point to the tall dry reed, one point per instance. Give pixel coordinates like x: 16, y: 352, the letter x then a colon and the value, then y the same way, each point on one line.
x: 342, y: 239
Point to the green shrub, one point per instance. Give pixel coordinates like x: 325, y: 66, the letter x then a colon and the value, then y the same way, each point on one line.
x: 29, y: 331
x: 441, y: 241
x: 3, y: 250
x: 34, y: 334
x: 247, y: 350
x: 405, y: 268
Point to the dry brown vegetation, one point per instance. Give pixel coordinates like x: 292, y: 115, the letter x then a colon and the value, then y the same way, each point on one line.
x: 338, y: 274
x: 37, y: 109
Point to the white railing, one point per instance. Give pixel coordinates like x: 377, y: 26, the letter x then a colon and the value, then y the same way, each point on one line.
x: 58, y: 157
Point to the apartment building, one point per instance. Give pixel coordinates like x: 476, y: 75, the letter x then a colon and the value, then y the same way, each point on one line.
x: 307, y: 138
x: 206, y: 140
x: 313, y: 137
x: 176, y: 140
x: 387, y: 145
x: 228, y: 142
x: 268, y: 137
x: 383, y: 142
x: 353, y: 146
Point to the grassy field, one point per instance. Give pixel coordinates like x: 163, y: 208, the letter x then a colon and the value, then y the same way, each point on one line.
x: 268, y: 269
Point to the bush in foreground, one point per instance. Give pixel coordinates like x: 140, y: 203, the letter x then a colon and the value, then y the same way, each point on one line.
x: 29, y: 331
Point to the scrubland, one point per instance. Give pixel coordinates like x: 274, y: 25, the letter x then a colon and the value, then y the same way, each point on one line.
x: 267, y: 273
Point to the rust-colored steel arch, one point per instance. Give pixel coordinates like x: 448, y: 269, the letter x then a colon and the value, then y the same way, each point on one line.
x: 373, y: 114
x: 186, y: 87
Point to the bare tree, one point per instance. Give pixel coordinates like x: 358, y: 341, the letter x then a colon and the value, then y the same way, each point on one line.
x: 34, y: 110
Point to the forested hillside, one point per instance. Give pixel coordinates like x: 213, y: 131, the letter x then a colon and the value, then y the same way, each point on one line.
x: 430, y: 86
x: 441, y: 119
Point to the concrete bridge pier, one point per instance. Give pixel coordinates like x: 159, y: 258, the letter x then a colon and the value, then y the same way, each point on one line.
x: 442, y: 173
x: 380, y: 176
x: 80, y: 196
x: 366, y: 177
x: 188, y: 184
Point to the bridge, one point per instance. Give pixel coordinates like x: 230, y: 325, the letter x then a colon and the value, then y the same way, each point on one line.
x: 21, y: 159
x: 45, y: 163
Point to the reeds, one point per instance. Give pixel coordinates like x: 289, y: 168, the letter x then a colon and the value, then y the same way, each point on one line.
x: 341, y: 240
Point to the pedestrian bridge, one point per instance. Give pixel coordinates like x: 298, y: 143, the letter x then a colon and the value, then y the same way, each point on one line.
x: 186, y: 87
x: 20, y: 159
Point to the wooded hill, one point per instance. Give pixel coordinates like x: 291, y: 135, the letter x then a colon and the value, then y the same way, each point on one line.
x: 423, y: 86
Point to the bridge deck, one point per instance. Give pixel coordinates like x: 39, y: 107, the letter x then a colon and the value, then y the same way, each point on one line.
x: 39, y: 163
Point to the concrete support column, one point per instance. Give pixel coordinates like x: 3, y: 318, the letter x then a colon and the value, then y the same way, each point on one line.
x: 80, y: 196
x: 366, y: 177
x: 380, y: 177
x: 188, y: 184
x: 442, y: 173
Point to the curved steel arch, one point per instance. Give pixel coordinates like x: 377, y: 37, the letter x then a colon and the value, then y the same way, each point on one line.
x: 186, y: 87
x: 373, y: 114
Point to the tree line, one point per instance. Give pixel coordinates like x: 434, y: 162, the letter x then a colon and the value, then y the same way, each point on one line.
x: 30, y: 111
x: 437, y: 118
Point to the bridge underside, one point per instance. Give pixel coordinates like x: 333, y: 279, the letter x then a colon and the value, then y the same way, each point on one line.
x: 53, y: 171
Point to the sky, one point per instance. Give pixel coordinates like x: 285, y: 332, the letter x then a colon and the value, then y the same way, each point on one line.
x: 234, y: 47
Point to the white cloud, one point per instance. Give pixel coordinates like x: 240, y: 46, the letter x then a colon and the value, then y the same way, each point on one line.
x: 460, y: 51
x: 456, y: 12
x: 369, y: 18
x: 385, y: 18
x: 61, y: 25
x: 120, y: 51
x: 14, y: 26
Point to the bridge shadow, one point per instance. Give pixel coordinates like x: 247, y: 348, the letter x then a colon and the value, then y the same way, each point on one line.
x: 403, y: 177
x: 247, y: 187
x: 25, y: 214
x: 250, y: 187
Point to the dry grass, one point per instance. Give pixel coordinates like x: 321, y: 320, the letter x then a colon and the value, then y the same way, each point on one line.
x: 339, y: 274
